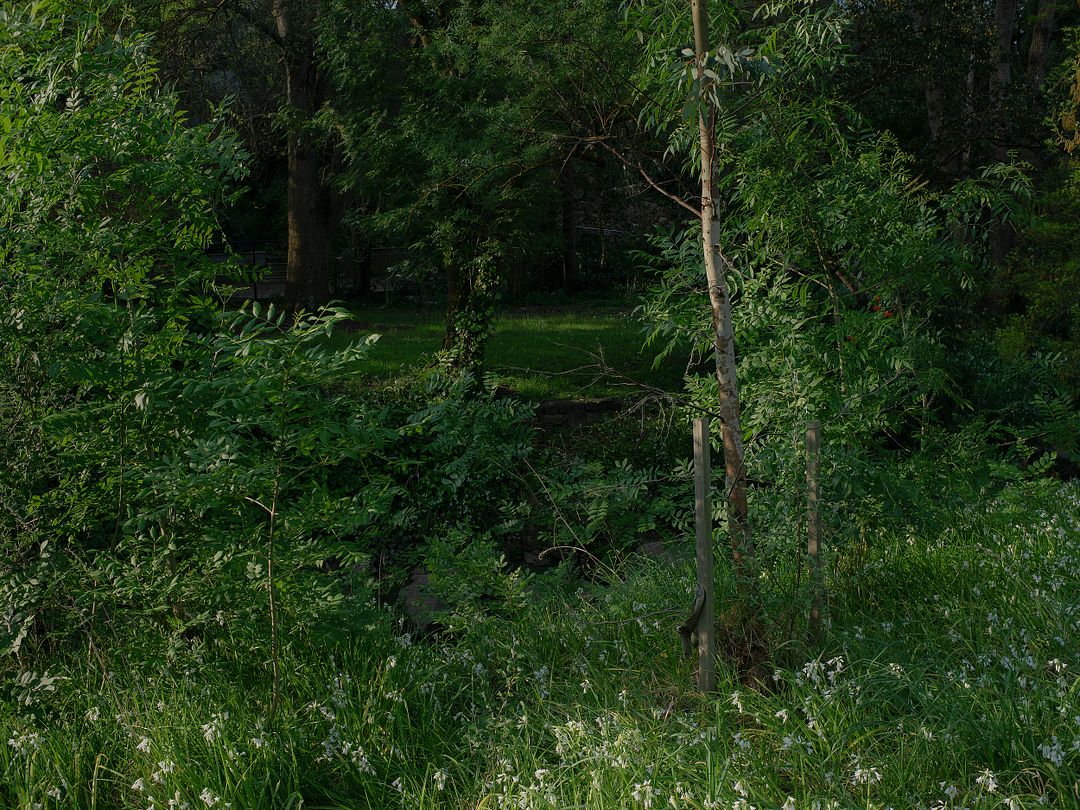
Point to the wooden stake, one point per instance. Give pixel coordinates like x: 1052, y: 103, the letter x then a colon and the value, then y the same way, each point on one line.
x: 706, y: 641
x: 813, y: 525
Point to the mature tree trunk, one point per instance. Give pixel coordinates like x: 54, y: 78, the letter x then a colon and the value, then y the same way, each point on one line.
x: 569, y: 229
x: 1004, y: 236
x: 742, y: 548
x: 361, y: 250
x: 933, y: 92
x: 310, y: 213
x: 1041, y: 35
x: 1004, y: 26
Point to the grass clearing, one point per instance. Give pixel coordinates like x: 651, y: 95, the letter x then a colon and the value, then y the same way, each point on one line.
x: 541, y: 353
x: 948, y: 678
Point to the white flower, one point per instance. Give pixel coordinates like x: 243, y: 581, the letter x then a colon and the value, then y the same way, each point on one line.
x: 143, y: 745
x: 1052, y: 751
x: 164, y: 767
x: 987, y: 781
x: 782, y: 715
x: 396, y: 785
x: 440, y: 777
x: 644, y: 793
x: 93, y: 714
x: 740, y: 788
x: 138, y: 785
x: 208, y: 797
x: 866, y: 776
x: 951, y: 791
x: 789, y: 804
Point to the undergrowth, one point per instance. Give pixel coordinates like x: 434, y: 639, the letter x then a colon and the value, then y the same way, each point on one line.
x: 948, y: 678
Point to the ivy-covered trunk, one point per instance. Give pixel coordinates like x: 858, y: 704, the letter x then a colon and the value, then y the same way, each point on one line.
x: 470, y: 309
x: 742, y: 547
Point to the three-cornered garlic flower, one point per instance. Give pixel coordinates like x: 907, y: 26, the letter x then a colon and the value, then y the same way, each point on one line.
x: 986, y: 781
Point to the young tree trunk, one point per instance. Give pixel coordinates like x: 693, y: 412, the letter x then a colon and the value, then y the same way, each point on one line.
x: 310, y: 216
x: 742, y: 548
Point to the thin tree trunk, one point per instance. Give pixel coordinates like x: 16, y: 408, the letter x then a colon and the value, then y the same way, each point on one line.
x: 310, y: 215
x: 742, y: 549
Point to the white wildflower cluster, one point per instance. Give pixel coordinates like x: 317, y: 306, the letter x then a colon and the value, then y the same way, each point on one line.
x: 511, y: 792
x: 542, y: 679
x: 164, y: 768
x: 864, y: 775
x: 987, y: 781
x: 1052, y: 751
x: 439, y: 778
x: 643, y: 793
x: 212, y: 730
x: 24, y: 745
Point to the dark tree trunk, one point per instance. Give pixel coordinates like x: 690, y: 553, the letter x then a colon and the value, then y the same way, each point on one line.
x: 569, y: 230
x: 1041, y: 36
x: 361, y: 268
x: 453, y: 304
x: 1004, y: 26
x: 310, y: 210
x: 1004, y: 236
x: 934, y: 94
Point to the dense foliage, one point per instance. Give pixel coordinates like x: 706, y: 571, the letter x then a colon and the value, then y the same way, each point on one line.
x: 236, y: 567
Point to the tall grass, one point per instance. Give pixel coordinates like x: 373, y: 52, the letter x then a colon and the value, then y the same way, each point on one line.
x: 948, y: 678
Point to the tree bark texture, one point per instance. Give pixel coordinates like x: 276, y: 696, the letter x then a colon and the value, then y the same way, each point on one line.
x: 310, y: 212
x: 1004, y: 26
x: 742, y: 549
x: 1041, y: 35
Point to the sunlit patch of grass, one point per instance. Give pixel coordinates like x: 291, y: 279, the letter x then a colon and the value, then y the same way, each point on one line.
x: 551, y: 354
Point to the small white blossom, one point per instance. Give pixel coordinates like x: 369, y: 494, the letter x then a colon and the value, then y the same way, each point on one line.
x: 986, y: 781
